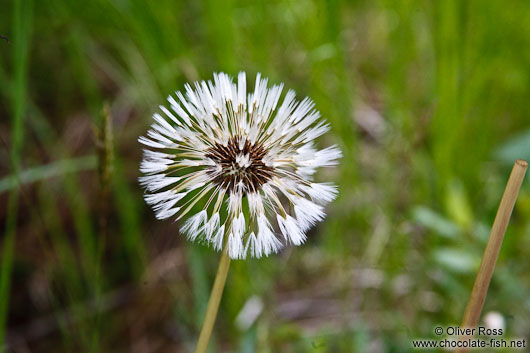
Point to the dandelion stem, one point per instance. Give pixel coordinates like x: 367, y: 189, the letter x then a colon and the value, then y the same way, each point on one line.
x: 213, y: 303
x: 491, y: 253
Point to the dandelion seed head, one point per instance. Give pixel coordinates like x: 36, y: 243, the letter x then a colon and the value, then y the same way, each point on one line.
x: 236, y: 169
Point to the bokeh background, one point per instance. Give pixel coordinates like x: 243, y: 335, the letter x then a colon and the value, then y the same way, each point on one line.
x: 429, y: 100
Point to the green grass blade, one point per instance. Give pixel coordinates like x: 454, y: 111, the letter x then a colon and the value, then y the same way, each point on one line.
x: 21, y: 28
x: 42, y: 172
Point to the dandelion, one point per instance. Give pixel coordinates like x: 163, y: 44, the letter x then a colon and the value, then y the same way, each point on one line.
x: 236, y: 170
x: 249, y: 160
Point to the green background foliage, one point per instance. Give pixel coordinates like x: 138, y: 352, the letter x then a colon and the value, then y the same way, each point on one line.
x: 429, y: 101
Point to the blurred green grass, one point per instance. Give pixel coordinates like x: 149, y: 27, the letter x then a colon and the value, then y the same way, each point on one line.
x: 428, y: 101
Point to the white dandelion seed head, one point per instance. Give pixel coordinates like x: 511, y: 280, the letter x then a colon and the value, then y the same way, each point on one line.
x: 242, y: 163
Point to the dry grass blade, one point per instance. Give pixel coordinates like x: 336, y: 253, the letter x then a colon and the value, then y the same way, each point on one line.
x: 493, y: 247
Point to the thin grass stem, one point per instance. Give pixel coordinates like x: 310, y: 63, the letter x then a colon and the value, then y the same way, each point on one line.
x: 22, y: 17
x: 491, y: 253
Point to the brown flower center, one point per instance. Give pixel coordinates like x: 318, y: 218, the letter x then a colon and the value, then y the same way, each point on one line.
x: 240, y: 161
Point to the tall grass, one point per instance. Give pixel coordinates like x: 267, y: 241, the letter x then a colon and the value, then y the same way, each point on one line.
x: 22, y: 21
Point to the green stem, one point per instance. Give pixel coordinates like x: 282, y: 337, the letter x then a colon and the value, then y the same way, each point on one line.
x: 213, y: 303
x: 22, y: 17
